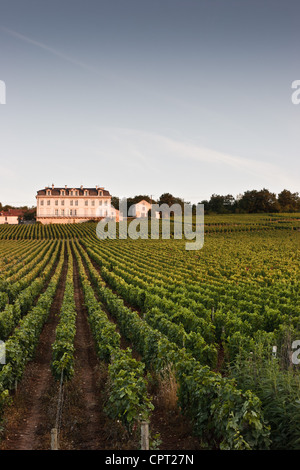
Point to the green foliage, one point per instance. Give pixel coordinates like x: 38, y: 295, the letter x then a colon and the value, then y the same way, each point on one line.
x: 4, y: 398
x: 63, y: 347
x: 24, y: 297
x: 239, y: 294
x: 278, y: 390
x: 21, y: 345
x: 3, y: 300
x: 222, y: 414
x: 203, y: 395
x: 128, y: 399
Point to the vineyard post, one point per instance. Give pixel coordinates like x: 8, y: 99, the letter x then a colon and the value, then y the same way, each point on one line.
x: 54, y: 439
x: 144, y: 435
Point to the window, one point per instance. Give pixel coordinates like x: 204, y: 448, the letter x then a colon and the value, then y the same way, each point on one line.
x: 56, y: 202
x: 71, y: 193
x: 56, y: 211
x: 48, y: 193
x: 86, y: 203
x: 71, y: 203
x: 76, y: 193
x: 62, y: 202
x: 63, y: 212
x: 86, y: 193
x: 76, y: 203
x: 62, y: 193
x: 93, y: 203
x: 105, y: 203
x: 75, y: 212
x: 42, y: 202
x: 71, y: 211
x: 48, y: 202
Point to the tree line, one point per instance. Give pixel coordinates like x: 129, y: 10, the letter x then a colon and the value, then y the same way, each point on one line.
x: 253, y: 201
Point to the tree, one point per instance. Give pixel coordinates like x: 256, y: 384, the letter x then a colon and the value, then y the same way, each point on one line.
x: 220, y: 204
x: 288, y: 201
x: 258, y: 201
x: 29, y: 214
x: 169, y: 199
x: 115, y: 201
x: 7, y: 207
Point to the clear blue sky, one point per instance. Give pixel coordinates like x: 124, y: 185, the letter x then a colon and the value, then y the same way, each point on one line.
x: 191, y: 97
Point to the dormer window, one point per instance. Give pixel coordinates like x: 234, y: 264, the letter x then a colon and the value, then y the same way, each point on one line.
x: 48, y: 193
x: 62, y: 193
x: 86, y: 193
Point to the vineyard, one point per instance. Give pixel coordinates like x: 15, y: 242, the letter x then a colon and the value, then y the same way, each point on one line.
x: 196, y: 343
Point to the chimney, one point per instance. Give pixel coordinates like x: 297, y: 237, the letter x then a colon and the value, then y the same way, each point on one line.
x: 96, y: 187
x: 66, y: 186
x: 81, y: 187
x: 52, y: 186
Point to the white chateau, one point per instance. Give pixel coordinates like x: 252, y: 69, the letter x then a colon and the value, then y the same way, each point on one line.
x: 140, y: 209
x: 73, y: 205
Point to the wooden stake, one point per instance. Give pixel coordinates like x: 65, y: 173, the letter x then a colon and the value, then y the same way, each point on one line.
x: 54, y: 445
x: 144, y: 435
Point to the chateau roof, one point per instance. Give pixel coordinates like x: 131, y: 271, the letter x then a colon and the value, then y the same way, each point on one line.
x: 57, y: 191
x: 12, y: 213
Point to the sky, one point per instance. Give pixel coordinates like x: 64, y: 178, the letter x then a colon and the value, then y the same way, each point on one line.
x: 191, y: 97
